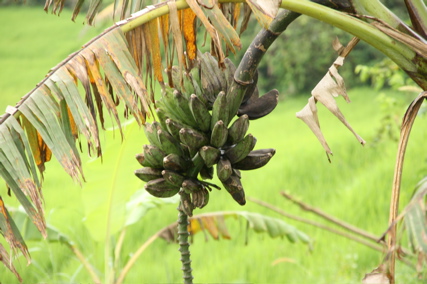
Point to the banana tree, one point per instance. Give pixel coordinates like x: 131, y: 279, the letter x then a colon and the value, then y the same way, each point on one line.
x: 123, y: 63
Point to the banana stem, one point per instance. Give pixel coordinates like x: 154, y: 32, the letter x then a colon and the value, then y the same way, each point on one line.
x: 184, y: 246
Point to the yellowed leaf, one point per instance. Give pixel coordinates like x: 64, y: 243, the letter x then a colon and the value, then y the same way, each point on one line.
x: 189, y: 30
x: 155, y: 49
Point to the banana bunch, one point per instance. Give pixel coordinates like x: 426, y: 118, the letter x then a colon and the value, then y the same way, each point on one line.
x: 196, y: 133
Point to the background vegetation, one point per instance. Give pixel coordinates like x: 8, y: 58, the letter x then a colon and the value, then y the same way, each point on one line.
x: 355, y: 187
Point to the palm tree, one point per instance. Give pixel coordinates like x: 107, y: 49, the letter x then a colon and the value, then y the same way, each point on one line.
x: 124, y: 61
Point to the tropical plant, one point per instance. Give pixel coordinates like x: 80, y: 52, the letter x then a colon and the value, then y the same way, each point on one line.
x: 122, y: 64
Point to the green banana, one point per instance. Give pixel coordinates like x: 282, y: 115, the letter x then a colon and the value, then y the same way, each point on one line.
x: 193, y: 138
x: 220, y: 110
x: 234, y: 186
x: 167, y: 103
x: 219, y: 134
x: 210, y: 85
x: 173, y: 177
x: 237, y: 130
x: 150, y: 130
x: 174, y: 162
x: 261, y: 106
x: 210, y: 155
x: 200, y: 113
x: 176, y: 77
x: 255, y: 159
x: 183, y: 108
x: 191, y: 185
x: 240, y: 150
x: 217, y: 72
x: 161, y: 115
x: 200, y: 198
x: 146, y: 173
x: 251, y: 91
x: 168, y: 143
x: 186, y: 204
x: 141, y: 159
x: 206, y: 173
x: 223, y: 169
x: 161, y: 188
x: 195, y: 77
x: 174, y: 127
x: 229, y: 71
x: 188, y: 85
x: 154, y: 156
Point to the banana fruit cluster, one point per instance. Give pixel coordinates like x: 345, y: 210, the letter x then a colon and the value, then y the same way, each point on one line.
x: 195, y: 134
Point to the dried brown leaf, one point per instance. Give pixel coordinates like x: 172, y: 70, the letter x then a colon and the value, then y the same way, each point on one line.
x: 209, y: 27
x: 264, y: 11
x: 309, y: 115
x: 377, y: 276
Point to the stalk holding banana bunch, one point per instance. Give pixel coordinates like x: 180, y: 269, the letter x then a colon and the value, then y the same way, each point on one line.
x: 193, y: 135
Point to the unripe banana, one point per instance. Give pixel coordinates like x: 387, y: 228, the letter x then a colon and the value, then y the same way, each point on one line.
x: 150, y: 131
x: 240, y: 150
x: 161, y: 115
x: 206, y: 173
x: 174, y: 162
x: 167, y: 102
x: 174, y: 127
x: 173, y: 177
x: 229, y: 72
x: 191, y: 185
x: 193, y: 138
x: 234, y: 186
x: 146, y: 173
x: 205, y: 195
x: 220, y: 110
x: 255, y: 159
x: 209, y: 72
x: 261, y: 106
x: 200, y: 198
x: 183, y: 108
x: 188, y: 85
x: 251, y: 91
x: 200, y: 113
x: 176, y: 77
x: 198, y: 91
x: 141, y: 159
x: 219, y: 134
x: 210, y: 155
x: 154, y: 156
x: 237, y: 131
x: 186, y: 204
x: 223, y: 169
x: 217, y: 72
x: 168, y: 143
x: 161, y: 188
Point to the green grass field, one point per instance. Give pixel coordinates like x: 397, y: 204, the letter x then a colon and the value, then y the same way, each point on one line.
x: 355, y: 187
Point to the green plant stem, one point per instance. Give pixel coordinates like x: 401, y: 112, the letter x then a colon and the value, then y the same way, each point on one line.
x: 418, y: 13
x: 184, y: 246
